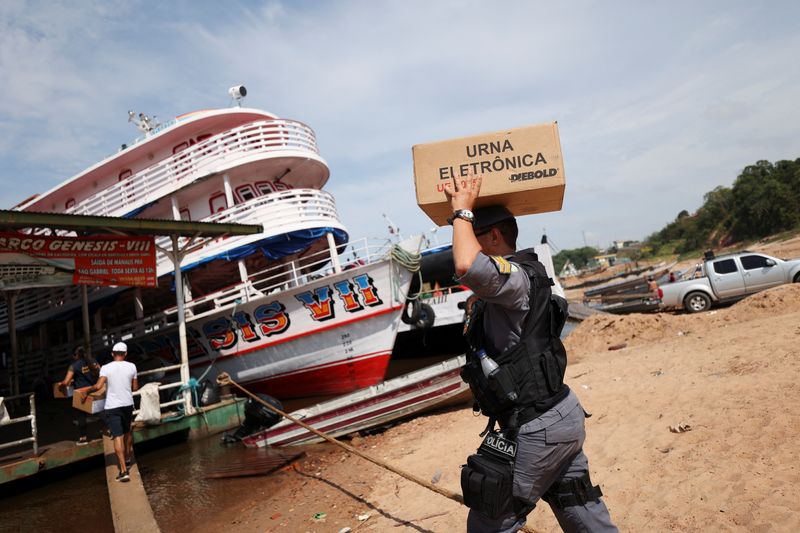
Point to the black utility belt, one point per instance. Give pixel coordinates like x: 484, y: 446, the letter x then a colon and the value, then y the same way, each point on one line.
x: 518, y: 418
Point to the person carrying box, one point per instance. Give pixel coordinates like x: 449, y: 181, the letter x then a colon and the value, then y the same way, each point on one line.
x: 83, y: 371
x: 120, y: 379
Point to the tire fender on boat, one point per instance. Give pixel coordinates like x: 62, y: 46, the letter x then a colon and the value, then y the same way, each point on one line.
x: 426, y: 317
x: 411, y: 312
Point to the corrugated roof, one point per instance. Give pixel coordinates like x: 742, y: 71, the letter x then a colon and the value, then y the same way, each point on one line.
x: 128, y: 226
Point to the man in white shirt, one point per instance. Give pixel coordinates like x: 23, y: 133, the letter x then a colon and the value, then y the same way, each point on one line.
x: 119, y: 376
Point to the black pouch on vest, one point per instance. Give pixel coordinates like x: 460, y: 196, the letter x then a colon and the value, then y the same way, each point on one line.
x: 489, y: 403
x: 502, y: 384
x: 487, y: 478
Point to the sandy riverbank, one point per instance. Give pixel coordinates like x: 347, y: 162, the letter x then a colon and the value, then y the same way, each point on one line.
x: 730, y: 374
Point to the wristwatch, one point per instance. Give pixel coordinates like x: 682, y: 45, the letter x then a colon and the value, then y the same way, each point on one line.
x: 463, y: 214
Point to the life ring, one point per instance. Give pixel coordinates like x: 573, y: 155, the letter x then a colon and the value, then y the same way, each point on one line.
x: 426, y: 317
x: 411, y: 312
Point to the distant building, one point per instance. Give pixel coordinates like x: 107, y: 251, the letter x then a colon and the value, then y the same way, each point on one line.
x: 605, y: 260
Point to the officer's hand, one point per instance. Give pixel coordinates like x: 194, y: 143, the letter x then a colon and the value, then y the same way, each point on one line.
x: 462, y: 193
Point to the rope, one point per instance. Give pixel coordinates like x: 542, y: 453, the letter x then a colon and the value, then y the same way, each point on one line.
x: 191, y: 385
x: 410, y: 261
x: 225, y: 379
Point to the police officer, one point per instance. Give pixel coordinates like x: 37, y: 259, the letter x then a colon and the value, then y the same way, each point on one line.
x: 547, y: 422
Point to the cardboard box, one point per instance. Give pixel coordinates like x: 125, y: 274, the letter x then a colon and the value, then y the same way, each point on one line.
x: 95, y: 402
x: 522, y: 169
x: 58, y: 392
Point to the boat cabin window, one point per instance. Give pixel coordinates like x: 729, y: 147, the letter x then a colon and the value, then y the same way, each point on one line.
x: 217, y: 203
x: 69, y: 203
x: 726, y: 266
x: 124, y: 174
x: 245, y: 192
x: 180, y: 147
x: 265, y: 187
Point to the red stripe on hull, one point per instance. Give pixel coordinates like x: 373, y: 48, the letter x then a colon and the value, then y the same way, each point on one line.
x: 337, y: 379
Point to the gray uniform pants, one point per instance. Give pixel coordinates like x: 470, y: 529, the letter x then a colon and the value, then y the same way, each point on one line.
x: 546, y: 455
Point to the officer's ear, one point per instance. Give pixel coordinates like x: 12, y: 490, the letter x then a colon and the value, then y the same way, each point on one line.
x: 496, y: 236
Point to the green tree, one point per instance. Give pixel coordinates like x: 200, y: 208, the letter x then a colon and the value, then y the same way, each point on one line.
x: 764, y: 199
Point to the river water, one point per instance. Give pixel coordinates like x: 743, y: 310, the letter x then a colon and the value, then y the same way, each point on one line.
x: 67, y: 500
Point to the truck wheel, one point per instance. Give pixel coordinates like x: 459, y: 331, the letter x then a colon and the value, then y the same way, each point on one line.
x: 696, y: 302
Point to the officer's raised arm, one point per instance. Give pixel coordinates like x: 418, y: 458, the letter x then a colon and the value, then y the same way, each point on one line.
x: 465, y: 243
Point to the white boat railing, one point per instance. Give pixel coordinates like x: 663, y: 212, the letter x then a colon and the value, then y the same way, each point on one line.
x: 31, y: 417
x: 225, y: 150
x: 161, y: 386
x: 283, y: 277
x: 279, y: 212
x: 33, y: 302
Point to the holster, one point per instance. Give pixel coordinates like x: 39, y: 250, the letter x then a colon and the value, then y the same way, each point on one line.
x: 487, y: 480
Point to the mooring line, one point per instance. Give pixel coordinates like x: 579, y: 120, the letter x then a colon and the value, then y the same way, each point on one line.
x: 225, y: 379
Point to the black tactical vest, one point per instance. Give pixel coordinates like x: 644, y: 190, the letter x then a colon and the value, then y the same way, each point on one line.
x: 530, y: 377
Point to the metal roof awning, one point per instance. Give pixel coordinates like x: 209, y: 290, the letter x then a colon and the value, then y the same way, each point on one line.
x: 128, y: 226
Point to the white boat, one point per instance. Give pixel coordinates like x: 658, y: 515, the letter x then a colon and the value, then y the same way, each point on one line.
x: 283, y: 311
x: 434, y: 386
x: 438, y: 310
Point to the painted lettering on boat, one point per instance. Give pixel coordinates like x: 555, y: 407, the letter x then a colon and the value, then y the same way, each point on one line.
x: 272, y: 318
x: 348, y: 296
x: 319, y: 303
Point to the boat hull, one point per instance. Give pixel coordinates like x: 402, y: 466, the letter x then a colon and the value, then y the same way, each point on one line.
x: 331, y: 336
x: 434, y: 386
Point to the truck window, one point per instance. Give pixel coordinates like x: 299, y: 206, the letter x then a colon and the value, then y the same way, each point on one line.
x: 752, y: 262
x: 726, y: 266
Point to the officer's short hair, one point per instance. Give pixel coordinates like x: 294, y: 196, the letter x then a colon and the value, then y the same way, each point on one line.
x: 509, y: 230
x: 497, y: 216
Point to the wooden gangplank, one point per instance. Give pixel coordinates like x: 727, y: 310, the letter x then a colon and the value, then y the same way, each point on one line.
x: 130, y: 507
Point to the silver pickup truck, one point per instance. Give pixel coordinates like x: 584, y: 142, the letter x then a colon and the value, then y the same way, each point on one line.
x: 729, y: 277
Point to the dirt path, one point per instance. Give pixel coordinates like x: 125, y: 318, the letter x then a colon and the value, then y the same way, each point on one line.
x: 731, y: 375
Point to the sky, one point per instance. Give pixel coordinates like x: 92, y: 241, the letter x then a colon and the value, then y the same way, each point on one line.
x: 657, y: 102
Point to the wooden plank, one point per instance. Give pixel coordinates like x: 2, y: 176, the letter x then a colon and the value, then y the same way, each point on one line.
x: 130, y: 507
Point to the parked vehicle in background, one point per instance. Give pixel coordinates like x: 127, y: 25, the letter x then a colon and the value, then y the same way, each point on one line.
x: 728, y: 278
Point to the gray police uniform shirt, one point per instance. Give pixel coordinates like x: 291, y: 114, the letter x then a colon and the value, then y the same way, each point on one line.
x: 506, y: 297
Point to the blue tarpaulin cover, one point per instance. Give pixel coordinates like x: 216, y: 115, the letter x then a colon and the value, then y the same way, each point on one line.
x: 278, y: 246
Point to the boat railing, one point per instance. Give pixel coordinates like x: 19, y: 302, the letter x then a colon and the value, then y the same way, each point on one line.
x: 30, y: 417
x: 32, y: 302
x: 215, y: 154
x: 279, y: 212
x: 159, y: 372
x: 286, y: 276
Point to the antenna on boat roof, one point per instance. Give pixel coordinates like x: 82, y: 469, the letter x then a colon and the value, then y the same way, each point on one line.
x: 143, y: 123
x: 238, y: 92
x: 393, y: 229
